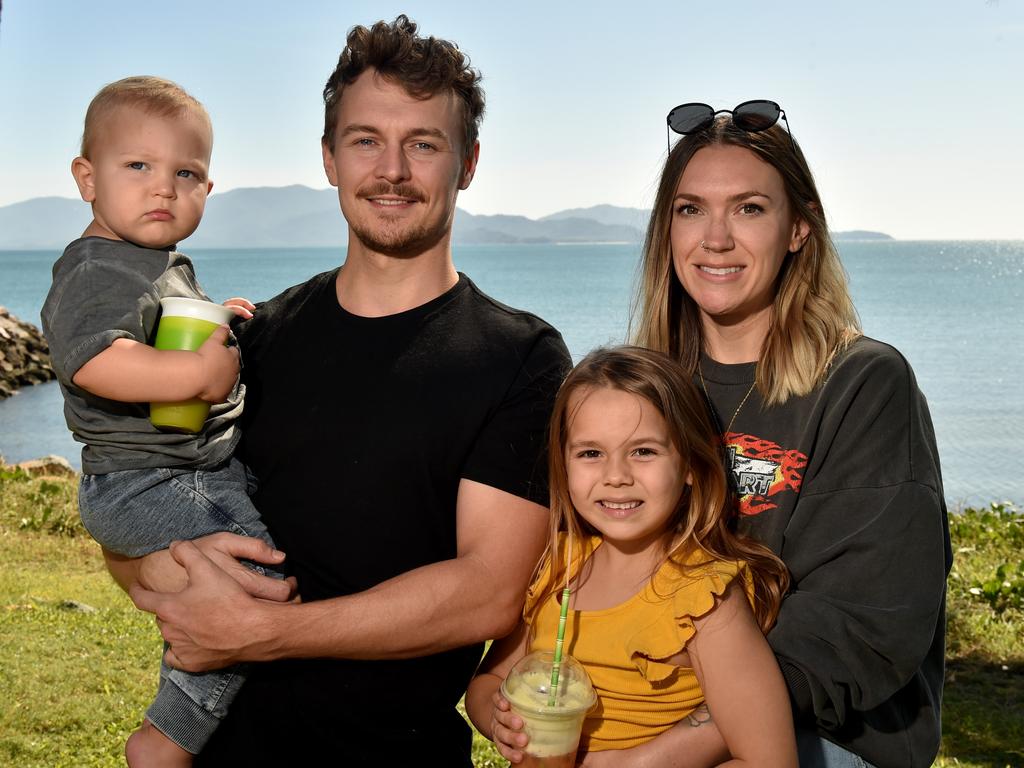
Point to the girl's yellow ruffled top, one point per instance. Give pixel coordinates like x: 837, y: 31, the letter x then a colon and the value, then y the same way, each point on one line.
x: 625, y: 648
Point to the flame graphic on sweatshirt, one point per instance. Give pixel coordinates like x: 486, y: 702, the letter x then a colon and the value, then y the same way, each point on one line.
x: 761, y: 469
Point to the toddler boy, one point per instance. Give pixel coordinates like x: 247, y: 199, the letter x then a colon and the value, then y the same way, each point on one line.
x: 144, y: 167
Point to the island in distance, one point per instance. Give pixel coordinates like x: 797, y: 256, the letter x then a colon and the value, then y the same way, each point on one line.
x: 300, y: 217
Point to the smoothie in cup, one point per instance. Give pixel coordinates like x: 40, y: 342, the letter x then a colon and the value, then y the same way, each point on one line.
x: 184, y: 325
x: 554, y: 731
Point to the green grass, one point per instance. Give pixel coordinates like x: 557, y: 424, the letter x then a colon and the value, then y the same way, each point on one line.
x: 983, y: 702
x: 74, y: 683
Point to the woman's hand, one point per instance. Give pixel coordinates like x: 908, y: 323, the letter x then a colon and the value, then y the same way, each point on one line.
x: 507, y: 730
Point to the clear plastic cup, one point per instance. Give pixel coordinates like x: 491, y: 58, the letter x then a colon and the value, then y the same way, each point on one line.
x: 554, y: 731
x: 184, y: 325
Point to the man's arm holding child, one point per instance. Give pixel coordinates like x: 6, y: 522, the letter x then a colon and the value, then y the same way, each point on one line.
x: 475, y: 596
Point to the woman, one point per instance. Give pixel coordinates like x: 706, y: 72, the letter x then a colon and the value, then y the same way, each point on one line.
x: 827, y: 435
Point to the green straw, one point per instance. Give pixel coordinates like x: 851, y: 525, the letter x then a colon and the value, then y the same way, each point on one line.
x: 556, y: 665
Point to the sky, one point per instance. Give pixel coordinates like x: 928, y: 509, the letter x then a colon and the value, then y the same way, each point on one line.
x: 910, y: 112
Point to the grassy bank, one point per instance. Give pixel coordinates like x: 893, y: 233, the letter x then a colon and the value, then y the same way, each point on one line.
x: 78, y: 662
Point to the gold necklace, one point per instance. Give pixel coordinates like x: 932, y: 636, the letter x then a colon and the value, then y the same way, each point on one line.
x: 714, y: 410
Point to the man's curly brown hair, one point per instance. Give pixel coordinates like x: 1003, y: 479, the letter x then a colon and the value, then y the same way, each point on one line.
x: 423, y: 66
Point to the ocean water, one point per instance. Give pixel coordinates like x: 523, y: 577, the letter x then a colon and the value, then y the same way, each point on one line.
x: 954, y: 309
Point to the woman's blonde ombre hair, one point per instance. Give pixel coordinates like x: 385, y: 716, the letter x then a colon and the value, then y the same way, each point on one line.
x: 812, y: 315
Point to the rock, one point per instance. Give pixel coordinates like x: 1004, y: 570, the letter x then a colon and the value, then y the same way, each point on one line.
x: 50, y: 466
x: 74, y: 605
x: 24, y: 355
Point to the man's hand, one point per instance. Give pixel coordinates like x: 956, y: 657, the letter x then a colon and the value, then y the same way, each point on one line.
x: 226, y: 549
x: 210, y: 624
x: 160, y: 572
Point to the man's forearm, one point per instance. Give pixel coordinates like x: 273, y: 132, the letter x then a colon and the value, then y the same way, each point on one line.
x: 431, y: 609
x: 476, y: 596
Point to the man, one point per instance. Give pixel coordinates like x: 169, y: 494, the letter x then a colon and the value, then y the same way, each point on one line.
x: 395, y: 419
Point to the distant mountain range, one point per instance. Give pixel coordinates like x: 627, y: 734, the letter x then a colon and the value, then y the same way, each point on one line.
x: 297, y: 216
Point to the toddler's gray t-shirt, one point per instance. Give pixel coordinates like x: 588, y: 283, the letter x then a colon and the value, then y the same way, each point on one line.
x: 109, y: 289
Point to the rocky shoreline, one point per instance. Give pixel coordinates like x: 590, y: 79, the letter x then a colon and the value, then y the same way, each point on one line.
x: 24, y: 355
x: 48, y: 466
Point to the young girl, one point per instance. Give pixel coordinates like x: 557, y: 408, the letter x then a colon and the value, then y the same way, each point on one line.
x: 668, y: 606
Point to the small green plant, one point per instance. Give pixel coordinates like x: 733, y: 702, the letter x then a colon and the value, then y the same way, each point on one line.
x: 12, y: 474
x: 1004, y: 589
x: 987, y: 565
x: 1000, y: 524
x: 49, y: 520
x: 52, y: 510
x: 39, y: 504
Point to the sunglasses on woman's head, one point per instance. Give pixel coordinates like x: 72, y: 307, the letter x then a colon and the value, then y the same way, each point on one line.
x: 751, y: 116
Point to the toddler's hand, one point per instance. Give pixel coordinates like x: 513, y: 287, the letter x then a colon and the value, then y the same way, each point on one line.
x: 241, y: 307
x: 507, y: 730
x: 220, y: 366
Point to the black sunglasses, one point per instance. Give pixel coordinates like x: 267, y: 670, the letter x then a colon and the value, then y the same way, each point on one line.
x: 751, y: 116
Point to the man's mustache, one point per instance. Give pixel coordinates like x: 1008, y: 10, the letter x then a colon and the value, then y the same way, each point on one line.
x: 395, y: 190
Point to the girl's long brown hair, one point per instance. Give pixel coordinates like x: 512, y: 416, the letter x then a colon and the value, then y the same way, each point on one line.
x: 705, y: 513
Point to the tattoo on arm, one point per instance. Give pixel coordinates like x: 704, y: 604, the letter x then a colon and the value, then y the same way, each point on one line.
x: 699, y: 716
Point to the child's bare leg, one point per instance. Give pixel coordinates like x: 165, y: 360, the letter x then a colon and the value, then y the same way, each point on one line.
x: 157, y: 571
x: 148, y: 748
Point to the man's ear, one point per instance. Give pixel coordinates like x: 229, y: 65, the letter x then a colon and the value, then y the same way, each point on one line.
x: 332, y: 174
x: 469, y: 166
x: 81, y: 169
x: 209, y: 187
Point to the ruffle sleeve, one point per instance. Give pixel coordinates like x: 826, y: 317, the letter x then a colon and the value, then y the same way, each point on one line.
x: 535, y: 591
x: 541, y: 585
x: 687, y: 591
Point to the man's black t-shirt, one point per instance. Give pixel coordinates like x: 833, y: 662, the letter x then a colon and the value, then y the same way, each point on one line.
x: 359, y: 430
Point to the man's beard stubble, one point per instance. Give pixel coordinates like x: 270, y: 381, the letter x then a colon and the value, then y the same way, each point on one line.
x: 400, y: 242
x: 390, y: 236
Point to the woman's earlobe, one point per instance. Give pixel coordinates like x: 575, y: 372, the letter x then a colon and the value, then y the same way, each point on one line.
x: 801, y: 233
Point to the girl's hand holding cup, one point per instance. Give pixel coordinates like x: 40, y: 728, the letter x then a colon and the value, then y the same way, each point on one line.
x: 507, y: 730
